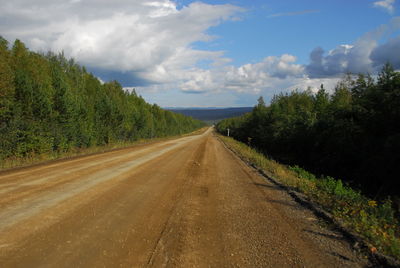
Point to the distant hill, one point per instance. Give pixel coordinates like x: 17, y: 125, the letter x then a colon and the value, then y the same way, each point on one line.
x: 211, y: 115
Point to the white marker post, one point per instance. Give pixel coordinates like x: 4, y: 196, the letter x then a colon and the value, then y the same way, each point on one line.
x: 228, y: 132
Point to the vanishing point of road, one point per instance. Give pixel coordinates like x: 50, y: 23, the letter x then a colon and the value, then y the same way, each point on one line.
x: 187, y: 202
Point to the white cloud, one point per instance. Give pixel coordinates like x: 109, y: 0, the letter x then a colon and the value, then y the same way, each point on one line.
x: 152, y: 42
x: 387, y: 5
x: 275, y: 74
x: 150, y: 39
x: 162, y: 8
x: 249, y: 78
x: 342, y: 59
x: 315, y: 83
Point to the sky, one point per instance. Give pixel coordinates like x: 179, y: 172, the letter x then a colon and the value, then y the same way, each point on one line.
x: 212, y: 53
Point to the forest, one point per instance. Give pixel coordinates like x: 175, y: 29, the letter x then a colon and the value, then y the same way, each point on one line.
x: 51, y: 104
x: 352, y: 134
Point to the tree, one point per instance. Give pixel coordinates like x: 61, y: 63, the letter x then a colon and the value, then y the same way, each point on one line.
x: 261, y: 102
x: 321, y: 102
x: 51, y: 104
x: 352, y: 134
x: 7, y: 89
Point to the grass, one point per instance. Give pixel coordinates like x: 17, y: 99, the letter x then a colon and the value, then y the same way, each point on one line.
x: 374, y: 221
x: 32, y: 159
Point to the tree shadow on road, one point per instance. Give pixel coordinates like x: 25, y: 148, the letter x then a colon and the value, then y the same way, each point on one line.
x: 331, y: 236
x: 272, y: 187
x: 281, y: 202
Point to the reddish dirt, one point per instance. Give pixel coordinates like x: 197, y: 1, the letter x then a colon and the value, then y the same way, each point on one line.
x: 187, y: 202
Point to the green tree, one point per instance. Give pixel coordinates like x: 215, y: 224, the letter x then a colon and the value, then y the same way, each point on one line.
x: 51, y: 104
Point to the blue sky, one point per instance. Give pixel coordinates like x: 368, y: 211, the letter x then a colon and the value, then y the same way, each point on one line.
x: 294, y: 27
x: 212, y: 53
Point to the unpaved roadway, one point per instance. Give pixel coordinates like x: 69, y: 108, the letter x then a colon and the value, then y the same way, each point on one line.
x: 187, y: 202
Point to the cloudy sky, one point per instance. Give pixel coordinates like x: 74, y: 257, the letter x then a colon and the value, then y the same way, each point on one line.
x: 211, y: 52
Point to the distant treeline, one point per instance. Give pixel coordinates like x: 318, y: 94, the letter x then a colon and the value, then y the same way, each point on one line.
x: 213, y: 114
x: 49, y: 103
x: 352, y: 134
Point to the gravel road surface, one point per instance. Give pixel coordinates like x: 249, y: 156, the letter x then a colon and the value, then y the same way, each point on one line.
x: 187, y: 202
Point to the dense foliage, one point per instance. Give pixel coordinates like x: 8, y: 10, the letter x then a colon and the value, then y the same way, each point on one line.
x: 49, y: 103
x: 352, y: 134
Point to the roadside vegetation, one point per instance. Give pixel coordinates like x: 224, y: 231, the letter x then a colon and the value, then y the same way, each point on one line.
x: 352, y: 135
x: 51, y: 107
x: 374, y: 221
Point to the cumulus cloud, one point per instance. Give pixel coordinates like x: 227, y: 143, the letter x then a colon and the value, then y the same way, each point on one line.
x: 388, y: 52
x: 250, y: 78
x: 387, y: 5
x: 275, y: 74
x: 342, y: 59
x: 149, y: 39
x: 142, y: 43
x: 365, y: 55
x: 149, y: 45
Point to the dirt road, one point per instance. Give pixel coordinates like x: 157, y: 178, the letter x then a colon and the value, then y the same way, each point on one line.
x: 187, y: 202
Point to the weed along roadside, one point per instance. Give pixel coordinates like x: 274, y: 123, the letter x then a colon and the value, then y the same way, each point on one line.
x: 372, y: 226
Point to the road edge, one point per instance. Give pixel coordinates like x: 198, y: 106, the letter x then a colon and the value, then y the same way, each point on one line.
x: 102, y: 150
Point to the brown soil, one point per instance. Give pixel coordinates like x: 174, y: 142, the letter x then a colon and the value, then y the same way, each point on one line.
x: 187, y: 202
